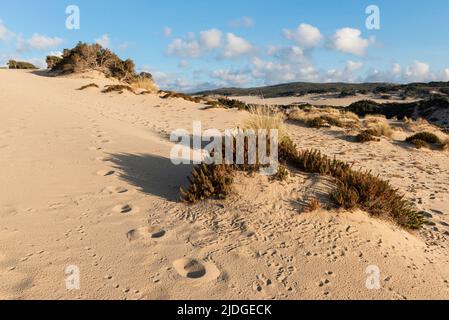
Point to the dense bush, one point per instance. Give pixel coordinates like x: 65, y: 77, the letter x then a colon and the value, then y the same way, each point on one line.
x: 52, y: 61
x: 426, y: 137
x: 86, y: 57
x: 13, y: 64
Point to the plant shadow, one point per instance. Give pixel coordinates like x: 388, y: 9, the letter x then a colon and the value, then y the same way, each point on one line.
x: 153, y: 175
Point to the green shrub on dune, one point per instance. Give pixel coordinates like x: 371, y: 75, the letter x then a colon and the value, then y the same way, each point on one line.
x: 13, y: 64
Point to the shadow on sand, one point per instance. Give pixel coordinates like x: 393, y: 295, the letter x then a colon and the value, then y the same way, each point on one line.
x: 152, y: 174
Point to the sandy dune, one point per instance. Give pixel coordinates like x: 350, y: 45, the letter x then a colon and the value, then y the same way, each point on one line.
x: 86, y: 180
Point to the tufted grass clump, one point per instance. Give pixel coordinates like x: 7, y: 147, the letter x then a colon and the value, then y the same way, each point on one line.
x: 367, y: 136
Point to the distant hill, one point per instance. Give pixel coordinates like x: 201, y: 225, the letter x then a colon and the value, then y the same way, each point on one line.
x: 345, y: 89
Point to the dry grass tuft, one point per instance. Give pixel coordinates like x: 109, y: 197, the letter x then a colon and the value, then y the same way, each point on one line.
x: 90, y: 85
x: 313, y: 205
x: 379, y: 125
x: 262, y: 118
x: 117, y: 88
x: 145, y: 84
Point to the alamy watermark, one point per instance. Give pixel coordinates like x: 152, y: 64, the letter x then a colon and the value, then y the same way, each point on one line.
x: 373, y: 20
x: 373, y: 279
x: 73, y: 21
x: 234, y: 146
x: 72, y: 281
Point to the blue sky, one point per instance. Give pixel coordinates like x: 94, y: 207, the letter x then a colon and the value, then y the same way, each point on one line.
x: 199, y: 44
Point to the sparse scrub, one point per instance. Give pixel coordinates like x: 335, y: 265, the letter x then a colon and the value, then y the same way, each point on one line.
x: 232, y: 103
x: 355, y: 189
x: 171, y: 94
x: 90, y: 85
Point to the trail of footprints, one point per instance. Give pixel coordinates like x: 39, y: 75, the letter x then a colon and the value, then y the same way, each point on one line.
x: 185, y: 267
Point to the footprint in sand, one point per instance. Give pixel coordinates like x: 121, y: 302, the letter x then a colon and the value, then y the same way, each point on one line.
x: 105, y: 173
x: 152, y: 232
x: 118, y: 190
x: 194, y: 269
x: 122, y: 208
x: 94, y: 148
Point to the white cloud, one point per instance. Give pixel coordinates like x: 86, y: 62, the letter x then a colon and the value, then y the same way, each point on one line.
x: 243, y: 22
x: 350, y: 40
x: 168, y: 32
x: 345, y: 75
x: 279, y: 72
x: 396, y: 69
x: 305, y: 35
x: 236, y: 46
x: 37, y: 42
x: 210, y: 39
x: 184, y: 48
x: 232, y: 78
x: 418, y: 71
x: 5, y: 34
x: 104, y: 41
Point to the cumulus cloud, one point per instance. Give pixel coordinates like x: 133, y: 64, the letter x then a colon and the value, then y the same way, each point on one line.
x: 243, y: 22
x: 345, y: 75
x: 418, y: 71
x: 37, y: 42
x: 104, y: 41
x: 349, y: 40
x: 184, y: 48
x: 236, y: 46
x: 305, y: 35
x: 211, y: 39
x: 5, y: 34
x: 232, y: 78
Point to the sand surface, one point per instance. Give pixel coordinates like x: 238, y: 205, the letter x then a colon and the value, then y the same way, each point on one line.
x: 86, y: 181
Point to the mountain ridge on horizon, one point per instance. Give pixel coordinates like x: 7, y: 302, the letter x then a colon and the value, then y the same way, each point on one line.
x: 346, y: 88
